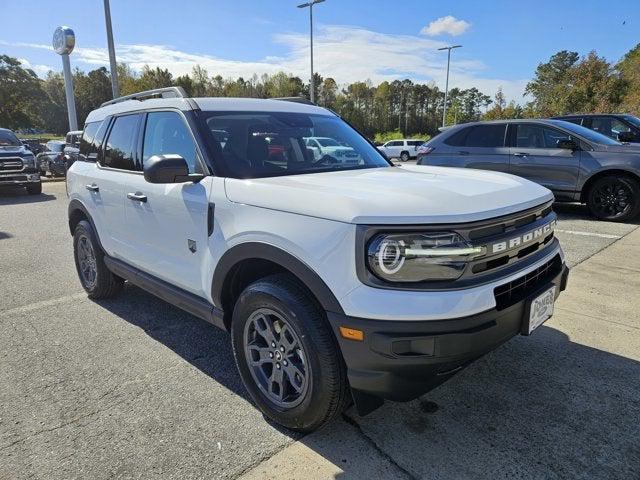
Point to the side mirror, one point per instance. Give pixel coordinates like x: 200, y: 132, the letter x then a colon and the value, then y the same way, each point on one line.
x: 169, y: 169
x: 626, y: 137
x: 568, y: 144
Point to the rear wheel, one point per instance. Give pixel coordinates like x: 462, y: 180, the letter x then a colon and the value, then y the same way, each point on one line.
x: 287, y: 355
x: 614, y: 198
x: 95, y: 277
x: 404, y: 156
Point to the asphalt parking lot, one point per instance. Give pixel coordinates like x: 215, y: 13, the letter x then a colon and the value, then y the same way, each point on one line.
x: 135, y: 388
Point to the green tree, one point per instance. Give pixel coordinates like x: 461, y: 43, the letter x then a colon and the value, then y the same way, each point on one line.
x: 21, y: 95
x: 629, y: 71
x: 551, y: 85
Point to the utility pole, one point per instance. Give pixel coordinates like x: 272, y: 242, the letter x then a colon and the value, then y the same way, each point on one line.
x: 446, y: 88
x: 112, y: 51
x: 64, y: 40
x: 312, y: 93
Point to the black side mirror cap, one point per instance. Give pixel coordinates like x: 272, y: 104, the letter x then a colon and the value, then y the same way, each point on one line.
x: 568, y: 144
x: 169, y: 169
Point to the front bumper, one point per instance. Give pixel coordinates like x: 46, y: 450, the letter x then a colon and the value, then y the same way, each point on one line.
x: 401, y: 360
x: 25, y: 177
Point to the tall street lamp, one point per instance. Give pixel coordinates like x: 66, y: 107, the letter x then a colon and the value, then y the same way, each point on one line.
x: 446, y: 88
x: 112, y: 51
x: 310, y: 5
x: 64, y: 40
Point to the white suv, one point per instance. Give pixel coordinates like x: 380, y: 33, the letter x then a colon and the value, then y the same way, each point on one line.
x: 337, y: 281
x: 402, y: 149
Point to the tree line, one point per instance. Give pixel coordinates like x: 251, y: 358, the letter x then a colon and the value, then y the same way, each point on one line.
x: 565, y: 84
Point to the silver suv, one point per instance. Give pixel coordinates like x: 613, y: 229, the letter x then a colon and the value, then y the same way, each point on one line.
x: 575, y: 163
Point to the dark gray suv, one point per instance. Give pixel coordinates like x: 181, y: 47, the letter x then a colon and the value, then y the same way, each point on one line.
x: 576, y: 163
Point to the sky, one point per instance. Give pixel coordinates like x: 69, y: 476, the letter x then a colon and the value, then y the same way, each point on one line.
x: 502, y: 41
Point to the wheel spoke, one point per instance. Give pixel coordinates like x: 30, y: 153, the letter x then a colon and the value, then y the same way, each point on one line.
x: 259, y: 355
x: 288, y: 340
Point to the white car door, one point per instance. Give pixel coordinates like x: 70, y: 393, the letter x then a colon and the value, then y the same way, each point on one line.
x: 168, y: 224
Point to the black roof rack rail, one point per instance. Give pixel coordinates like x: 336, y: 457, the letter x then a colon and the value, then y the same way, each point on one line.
x: 167, y: 92
x: 304, y: 100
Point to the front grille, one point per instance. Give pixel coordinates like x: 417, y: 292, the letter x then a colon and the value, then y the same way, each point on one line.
x: 518, y: 289
x: 10, y: 164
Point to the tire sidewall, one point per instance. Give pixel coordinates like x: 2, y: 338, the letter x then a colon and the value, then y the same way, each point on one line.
x: 260, y: 295
x: 84, y: 228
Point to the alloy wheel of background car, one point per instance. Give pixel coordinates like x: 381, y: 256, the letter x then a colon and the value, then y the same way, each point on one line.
x: 276, y: 358
x: 614, y: 198
x: 404, y: 157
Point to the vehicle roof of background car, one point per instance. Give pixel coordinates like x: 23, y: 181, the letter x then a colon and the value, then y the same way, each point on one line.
x: 208, y: 104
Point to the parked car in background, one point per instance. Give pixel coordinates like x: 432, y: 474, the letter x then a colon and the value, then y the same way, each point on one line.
x: 52, y: 159
x: 33, y: 144
x: 72, y: 147
x: 576, y: 163
x: 619, y: 126
x: 18, y: 164
x: 402, y: 149
x: 321, y: 146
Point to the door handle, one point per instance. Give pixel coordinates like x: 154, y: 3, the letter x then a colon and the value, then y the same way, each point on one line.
x: 463, y: 152
x: 138, y: 197
x: 92, y: 187
x: 521, y: 154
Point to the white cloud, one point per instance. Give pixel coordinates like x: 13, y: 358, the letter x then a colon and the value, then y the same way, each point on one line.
x: 345, y: 53
x: 40, y: 70
x: 449, y: 25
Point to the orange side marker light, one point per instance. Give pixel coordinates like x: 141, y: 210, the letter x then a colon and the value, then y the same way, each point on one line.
x: 352, y: 334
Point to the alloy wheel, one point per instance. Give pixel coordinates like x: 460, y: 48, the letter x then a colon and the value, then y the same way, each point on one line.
x: 612, y: 199
x: 87, y: 262
x: 276, y: 359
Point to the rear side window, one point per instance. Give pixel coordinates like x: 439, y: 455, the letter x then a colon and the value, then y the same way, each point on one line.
x: 166, y: 133
x: 576, y: 120
x: 487, y: 136
x: 87, y: 145
x: 119, y: 149
x: 416, y: 143
x: 395, y: 144
x: 458, y: 138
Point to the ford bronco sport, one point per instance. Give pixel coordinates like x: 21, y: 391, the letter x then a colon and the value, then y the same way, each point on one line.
x: 339, y: 282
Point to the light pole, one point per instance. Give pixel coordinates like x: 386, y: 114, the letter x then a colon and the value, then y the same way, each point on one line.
x: 63, y: 42
x: 446, y: 88
x: 310, y: 5
x: 112, y: 51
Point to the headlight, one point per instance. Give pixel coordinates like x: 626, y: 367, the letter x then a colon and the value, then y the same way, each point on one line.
x: 29, y: 161
x: 420, y: 257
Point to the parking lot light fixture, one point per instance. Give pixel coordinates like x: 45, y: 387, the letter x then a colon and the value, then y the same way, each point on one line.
x: 312, y: 93
x: 446, y: 87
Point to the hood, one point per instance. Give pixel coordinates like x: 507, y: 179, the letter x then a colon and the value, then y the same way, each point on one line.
x: 393, y: 195
x: 12, y: 151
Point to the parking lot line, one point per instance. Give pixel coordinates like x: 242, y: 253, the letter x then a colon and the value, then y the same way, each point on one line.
x: 30, y: 307
x: 589, y: 234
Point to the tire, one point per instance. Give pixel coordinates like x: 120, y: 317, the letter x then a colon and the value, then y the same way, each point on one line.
x: 404, y: 156
x: 100, y: 283
x: 614, y: 198
x: 34, y: 188
x: 322, y: 390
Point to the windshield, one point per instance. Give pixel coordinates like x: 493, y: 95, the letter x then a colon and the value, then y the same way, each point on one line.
x: 8, y: 139
x: 268, y: 144
x: 585, y: 133
x: 633, y: 120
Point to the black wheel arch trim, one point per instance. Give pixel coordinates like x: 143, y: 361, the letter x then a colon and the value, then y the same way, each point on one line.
x: 265, y: 251
x: 76, y: 205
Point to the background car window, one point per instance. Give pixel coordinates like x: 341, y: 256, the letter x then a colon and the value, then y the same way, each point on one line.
x: 609, y: 126
x: 395, y: 143
x: 55, y: 146
x: 118, y: 152
x: 166, y: 133
x: 576, y: 120
x: 458, y: 138
x: 8, y: 139
x: 488, y: 136
x: 415, y: 143
x: 535, y: 136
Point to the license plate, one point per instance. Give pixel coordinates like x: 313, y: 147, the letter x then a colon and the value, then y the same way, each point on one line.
x: 541, y: 309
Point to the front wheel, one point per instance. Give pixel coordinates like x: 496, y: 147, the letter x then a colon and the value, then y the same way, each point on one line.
x: 404, y: 157
x: 34, y: 188
x: 614, y: 198
x: 287, y: 355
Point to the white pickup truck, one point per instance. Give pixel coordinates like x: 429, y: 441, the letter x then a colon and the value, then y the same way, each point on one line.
x: 337, y: 281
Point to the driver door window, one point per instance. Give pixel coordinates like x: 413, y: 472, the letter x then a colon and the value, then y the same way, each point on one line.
x: 166, y: 133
